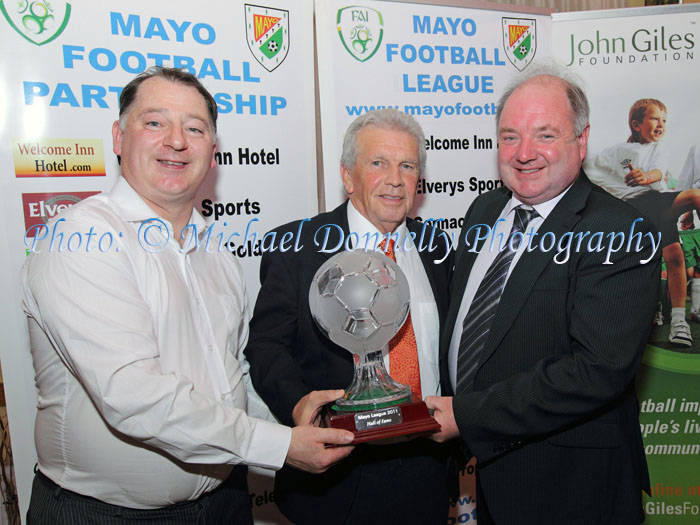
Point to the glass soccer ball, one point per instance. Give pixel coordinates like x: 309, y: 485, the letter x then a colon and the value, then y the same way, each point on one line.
x: 359, y: 299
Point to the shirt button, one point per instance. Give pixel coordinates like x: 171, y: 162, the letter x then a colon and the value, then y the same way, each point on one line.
x: 210, y: 348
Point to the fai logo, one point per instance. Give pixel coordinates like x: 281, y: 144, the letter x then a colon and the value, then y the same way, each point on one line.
x: 267, y: 33
x: 519, y: 41
x: 39, y: 21
x: 360, y: 30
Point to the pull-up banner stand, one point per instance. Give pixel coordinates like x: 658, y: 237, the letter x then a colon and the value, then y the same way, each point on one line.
x: 626, y: 55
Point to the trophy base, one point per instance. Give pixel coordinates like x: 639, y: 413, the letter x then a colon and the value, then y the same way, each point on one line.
x: 372, y: 387
x: 382, y: 423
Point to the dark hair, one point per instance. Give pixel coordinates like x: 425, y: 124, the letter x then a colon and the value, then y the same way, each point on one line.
x: 637, y: 112
x: 126, y: 99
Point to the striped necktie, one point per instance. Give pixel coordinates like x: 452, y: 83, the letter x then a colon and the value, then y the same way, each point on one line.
x: 477, y: 322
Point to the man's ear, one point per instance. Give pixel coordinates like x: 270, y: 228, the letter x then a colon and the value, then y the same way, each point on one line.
x: 117, y: 135
x: 583, y: 141
x: 346, y: 177
x: 213, y: 156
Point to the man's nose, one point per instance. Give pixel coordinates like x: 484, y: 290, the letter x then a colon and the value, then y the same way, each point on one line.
x: 526, y: 150
x: 175, y: 138
x: 393, y: 176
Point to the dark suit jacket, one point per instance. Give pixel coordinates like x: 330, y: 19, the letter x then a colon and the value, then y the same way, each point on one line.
x: 553, y: 416
x: 290, y: 357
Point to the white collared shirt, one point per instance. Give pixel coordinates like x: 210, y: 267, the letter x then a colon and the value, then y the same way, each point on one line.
x: 424, y: 313
x: 142, y: 398
x: 486, y: 256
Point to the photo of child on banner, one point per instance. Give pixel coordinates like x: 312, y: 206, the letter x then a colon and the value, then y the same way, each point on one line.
x: 637, y: 172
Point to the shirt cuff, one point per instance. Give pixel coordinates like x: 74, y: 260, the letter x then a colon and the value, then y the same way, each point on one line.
x: 269, y: 445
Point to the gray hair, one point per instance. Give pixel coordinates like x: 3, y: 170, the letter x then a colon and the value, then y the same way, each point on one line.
x: 388, y: 118
x: 572, y: 83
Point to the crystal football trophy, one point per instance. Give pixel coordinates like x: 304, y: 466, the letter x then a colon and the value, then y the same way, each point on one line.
x: 360, y: 299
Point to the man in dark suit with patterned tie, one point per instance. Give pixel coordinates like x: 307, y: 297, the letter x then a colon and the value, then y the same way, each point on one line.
x: 541, y: 344
x: 291, y: 360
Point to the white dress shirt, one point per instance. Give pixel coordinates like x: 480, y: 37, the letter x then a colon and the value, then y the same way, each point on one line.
x: 424, y: 313
x: 483, y: 261
x: 142, y: 399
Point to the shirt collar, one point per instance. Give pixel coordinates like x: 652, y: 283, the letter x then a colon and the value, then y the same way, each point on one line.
x: 133, y: 208
x: 543, y: 208
x: 360, y: 225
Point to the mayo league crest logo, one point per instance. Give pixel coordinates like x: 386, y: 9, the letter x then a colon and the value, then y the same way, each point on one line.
x: 267, y: 33
x: 39, y: 21
x: 519, y: 41
x: 360, y: 30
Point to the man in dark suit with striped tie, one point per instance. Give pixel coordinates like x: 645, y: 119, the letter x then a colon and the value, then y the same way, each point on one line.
x: 542, y: 341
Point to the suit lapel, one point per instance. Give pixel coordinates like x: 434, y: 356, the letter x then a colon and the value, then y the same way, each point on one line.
x: 485, y: 213
x: 339, y: 217
x: 531, y: 264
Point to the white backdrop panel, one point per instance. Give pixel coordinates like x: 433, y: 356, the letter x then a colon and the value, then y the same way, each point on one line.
x: 60, y: 74
x: 447, y: 66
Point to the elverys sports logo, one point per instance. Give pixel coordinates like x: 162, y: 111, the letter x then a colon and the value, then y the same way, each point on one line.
x: 38, y: 21
x: 360, y: 30
x: 39, y: 208
x: 519, y: 41
x: 267, y: 33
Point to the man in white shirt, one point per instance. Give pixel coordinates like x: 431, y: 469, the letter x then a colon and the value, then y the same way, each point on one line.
x: 541, y: 349
x: 136, y: 337
x: 383, y: 157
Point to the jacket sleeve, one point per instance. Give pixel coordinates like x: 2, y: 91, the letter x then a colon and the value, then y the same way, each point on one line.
x: 274, y: 366
x: 609, y: 310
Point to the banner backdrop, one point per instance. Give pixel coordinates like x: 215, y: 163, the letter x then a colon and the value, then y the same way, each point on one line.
x: 447, y: 67
x: 65, y: 63
x: 625, y: 56
x: 61, y: 71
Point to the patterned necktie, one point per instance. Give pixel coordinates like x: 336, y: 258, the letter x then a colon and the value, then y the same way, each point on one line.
x: 403, y: 351
x: 475, y: 329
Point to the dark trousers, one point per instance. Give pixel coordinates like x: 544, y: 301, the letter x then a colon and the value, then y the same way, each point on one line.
x: 227, y: 504
x: 405, y: 483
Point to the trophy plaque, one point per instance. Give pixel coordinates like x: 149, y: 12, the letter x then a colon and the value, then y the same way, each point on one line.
x: 360, y: 299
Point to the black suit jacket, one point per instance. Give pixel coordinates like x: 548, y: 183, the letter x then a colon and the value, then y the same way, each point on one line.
x: 553, y: 417
x: 290, y: 357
